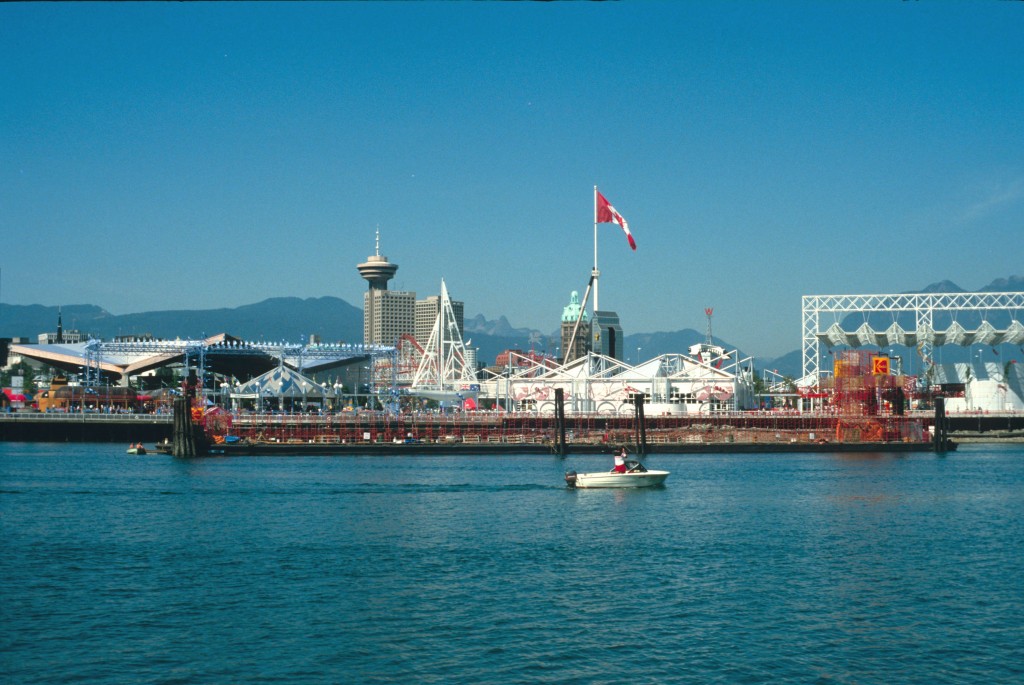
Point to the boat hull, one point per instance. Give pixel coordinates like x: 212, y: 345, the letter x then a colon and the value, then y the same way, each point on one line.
x: 645, y: 479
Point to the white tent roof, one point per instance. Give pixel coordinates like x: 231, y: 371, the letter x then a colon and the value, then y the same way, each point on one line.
x: 282, y: 382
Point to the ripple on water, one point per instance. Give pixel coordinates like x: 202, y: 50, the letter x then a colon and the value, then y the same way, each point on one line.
x: 788, y: 569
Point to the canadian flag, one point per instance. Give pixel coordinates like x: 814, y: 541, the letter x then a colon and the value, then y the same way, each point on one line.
x: 606, y: 214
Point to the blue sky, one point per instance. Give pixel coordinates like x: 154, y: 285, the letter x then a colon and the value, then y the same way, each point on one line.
x: 180, y: 155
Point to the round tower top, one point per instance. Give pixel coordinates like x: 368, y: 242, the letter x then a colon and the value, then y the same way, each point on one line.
x: 571, y: 312
x: 377, y: 270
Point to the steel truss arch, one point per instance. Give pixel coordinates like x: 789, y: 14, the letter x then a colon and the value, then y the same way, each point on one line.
x: 922, y: 305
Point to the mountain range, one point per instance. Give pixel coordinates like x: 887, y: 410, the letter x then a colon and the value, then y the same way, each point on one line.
x: 335, y: 320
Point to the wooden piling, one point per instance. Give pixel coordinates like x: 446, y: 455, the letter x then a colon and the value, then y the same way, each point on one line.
x: 940, y: 429
x: 641, y: 428
x: 560, y: 421
x: 188, y: 439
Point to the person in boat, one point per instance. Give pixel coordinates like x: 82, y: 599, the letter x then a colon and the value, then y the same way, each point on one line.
x: 620, y: 461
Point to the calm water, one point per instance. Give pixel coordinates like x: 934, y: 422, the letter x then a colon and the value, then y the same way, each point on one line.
x: 742, y: 569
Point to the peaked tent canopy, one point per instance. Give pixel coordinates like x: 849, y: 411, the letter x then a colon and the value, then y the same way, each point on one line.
x: 282, y: 382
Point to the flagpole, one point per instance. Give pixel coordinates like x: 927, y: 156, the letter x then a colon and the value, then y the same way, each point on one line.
x: 595, y: 273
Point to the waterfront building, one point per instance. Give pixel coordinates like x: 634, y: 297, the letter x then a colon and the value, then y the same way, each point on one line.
x: 670, y: 384
x: 11, y: 357
x: 63, y: 337
x: 978, y: 386
x: 387, y: 314
x: 63, y: 397
x: 571, y: 313
x: 5, y: 349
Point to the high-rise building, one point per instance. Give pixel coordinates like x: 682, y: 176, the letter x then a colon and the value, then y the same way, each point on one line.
x: 427, y: 311
x: 571, y: 313
x: 607, y: 332
x: 387, y: 314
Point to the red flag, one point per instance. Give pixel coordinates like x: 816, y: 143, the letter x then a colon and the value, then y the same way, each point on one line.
x: 606, y: 214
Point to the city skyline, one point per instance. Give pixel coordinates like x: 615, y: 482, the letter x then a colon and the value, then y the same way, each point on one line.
x: 177, y: 156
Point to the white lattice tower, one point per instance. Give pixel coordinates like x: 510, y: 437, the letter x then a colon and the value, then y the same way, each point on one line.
x: 444, y: 363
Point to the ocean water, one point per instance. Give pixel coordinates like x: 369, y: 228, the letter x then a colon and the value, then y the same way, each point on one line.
x: 781, y: 568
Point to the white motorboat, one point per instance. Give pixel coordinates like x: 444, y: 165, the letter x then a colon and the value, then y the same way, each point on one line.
x: 635, y: 476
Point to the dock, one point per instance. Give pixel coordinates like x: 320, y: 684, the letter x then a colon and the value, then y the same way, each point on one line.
x: 498, y: 433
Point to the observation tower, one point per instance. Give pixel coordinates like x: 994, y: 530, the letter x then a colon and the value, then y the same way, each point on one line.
x: 377, y: 270
x: 387, y: 314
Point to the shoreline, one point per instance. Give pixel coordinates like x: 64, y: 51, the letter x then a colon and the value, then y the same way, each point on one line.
x: 284, y: 449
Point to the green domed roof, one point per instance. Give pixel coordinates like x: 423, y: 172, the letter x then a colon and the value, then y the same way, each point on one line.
x: 571, y: 311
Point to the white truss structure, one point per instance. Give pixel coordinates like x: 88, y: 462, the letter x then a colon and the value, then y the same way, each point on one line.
x: 444, y: 371
x: 129, y: 358
x: 670, y: 384
x: 923, y: 336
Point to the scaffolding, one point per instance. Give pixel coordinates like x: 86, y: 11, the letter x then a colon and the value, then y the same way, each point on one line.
x: 861, y: 385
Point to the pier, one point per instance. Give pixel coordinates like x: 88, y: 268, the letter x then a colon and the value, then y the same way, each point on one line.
x: 497, y: 432
x: 84, y: 427
x: 560, y: 434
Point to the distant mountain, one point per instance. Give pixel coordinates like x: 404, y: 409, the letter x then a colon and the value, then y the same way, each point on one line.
x: 28, y: 321
x: 279, y: 318
x: 1013, y: 284
x: 500, y: 327
x: 492, y: 337
x: 940, y: 287
x: 790, y: 364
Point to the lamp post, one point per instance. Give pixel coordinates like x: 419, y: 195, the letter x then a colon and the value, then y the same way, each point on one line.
x: 365, y: 384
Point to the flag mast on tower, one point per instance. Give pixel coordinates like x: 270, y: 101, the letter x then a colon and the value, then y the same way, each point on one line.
x: 604, y: 213
x: 595, y: 273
